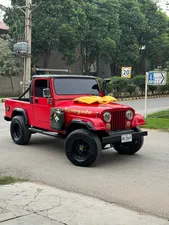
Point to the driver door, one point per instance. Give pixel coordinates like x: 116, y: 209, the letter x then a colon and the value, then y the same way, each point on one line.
x: 42, y: 104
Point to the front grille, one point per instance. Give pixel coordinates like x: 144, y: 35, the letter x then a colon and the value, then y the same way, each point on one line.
x: 119, y: 120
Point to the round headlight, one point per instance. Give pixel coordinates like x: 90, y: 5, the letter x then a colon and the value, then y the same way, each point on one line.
x: 107, y: 117
x: 129, y: 115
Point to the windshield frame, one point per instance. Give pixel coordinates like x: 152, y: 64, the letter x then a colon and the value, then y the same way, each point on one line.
x: 79, y: 94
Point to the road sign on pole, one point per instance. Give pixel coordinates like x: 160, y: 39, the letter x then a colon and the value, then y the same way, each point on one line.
x: 126, y: 72
x: 146, y: 91
x: 156, y: 78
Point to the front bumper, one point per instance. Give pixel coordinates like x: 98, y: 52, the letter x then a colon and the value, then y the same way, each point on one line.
x: 114, y: 137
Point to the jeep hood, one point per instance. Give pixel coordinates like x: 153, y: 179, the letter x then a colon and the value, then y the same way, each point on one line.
x: 95, y: 107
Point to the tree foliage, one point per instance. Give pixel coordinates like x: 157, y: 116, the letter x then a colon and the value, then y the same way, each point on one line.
x: 9, y: 65
x: 156, y: 34
x: 114, y: 30
x: 102, y: 33
x: 56, y: 25
x: 132, y: 24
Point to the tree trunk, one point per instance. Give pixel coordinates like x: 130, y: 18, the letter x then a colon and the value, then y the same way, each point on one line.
x: 86, y: 67
x: 85, y: 62
x: 82, y: 55
x: 46, y: 59
x: 12, y: 86
x: 113, y: 69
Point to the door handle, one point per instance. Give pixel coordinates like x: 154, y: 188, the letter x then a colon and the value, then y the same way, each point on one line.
x: 36, y: 100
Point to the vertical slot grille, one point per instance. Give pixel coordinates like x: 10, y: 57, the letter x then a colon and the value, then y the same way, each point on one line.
x: 119, y: 120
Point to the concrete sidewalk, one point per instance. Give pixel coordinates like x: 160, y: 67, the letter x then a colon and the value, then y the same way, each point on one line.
x: 32, y: 204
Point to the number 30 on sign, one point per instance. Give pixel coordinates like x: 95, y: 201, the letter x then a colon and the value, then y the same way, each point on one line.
x: 126, y: 72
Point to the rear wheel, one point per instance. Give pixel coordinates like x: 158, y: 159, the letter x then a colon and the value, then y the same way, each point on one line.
x: 130, y: 148
x: 83, y: 147
x: 19, y: 131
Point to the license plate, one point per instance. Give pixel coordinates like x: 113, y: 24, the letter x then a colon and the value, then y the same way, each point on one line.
x: 126, y: 138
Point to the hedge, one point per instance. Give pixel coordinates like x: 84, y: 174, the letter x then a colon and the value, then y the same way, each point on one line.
x: 121, y: 87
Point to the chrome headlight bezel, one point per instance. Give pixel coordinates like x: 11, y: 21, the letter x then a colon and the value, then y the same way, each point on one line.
x: 129, y: 115
x: 107, y: 117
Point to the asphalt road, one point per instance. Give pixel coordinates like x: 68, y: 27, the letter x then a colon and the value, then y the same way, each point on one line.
x: 140, y: 182
x: 153, y: 105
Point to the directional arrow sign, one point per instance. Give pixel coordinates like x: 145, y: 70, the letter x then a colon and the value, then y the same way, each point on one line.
x: 157, y: 78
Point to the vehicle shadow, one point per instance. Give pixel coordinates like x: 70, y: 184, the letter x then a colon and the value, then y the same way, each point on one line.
x: 110, y: 156
x: 50, y: 143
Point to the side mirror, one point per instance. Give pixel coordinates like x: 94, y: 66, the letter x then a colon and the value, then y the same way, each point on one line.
x: 46, y: 93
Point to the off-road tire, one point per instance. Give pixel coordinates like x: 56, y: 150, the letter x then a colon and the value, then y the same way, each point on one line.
x: 19, y: 131
x: 130, y: 148
x: 89, y: 139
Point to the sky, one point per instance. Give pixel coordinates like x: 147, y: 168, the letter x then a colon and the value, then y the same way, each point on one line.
x: 5, y: 3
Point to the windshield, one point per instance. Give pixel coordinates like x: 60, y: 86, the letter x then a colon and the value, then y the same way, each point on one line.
x: 76, y: 86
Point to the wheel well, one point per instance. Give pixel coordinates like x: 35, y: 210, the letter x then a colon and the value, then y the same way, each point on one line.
x: 75, y: 126
x: 15, y: 113
x: 102, y: 134
x: 20, y: 113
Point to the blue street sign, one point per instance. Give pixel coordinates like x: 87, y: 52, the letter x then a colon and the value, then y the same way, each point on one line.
x: 156, y: 78
x: 150, y: 77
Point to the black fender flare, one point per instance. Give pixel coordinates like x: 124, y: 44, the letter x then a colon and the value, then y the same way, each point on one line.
x: 22, y: 112
x: 79, y: 122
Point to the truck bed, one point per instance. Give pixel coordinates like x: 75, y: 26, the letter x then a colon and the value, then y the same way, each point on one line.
x: 14, y: 105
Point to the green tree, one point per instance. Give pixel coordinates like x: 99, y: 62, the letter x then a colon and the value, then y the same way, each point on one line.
x: 132, y: 24
x: 155, y: 36
x: 9, y: 65
x: 158, y: 50
x: 56, y: 25
x: 100, y: 38
x: 113, y: 30
x: 92, y: 26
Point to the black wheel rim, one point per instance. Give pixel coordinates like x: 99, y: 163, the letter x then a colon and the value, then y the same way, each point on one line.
x: 80, y: 150
x: 16, y: 131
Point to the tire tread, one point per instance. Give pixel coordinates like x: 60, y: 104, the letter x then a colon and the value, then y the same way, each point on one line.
x: 26, y: 134
x: 86, y: 134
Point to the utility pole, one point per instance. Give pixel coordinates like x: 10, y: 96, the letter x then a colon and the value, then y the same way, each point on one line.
x: 28, y: 39
x: 27, y: 10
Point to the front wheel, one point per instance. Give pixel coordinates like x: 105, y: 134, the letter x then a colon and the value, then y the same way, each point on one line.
x: 130, y: 148
x: 83, y: 147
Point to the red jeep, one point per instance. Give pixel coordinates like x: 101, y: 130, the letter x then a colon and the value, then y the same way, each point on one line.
x: 87, y: 128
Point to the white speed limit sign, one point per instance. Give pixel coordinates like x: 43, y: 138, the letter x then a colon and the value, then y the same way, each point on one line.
x: 126, y: 72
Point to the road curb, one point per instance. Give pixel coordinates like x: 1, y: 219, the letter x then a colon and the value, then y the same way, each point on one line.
x: 143, y: 97
x: 2, y: 100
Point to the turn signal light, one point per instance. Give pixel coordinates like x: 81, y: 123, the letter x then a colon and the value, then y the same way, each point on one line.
x: 128, y: 124
x: 108, y: 126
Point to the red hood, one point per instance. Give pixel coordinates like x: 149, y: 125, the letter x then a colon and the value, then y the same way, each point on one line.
x: 96, y: 107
